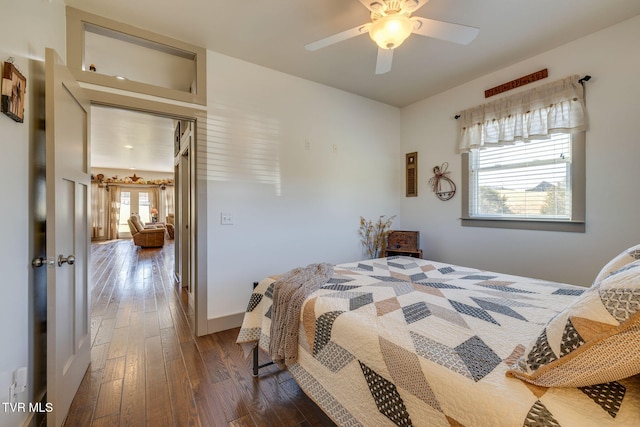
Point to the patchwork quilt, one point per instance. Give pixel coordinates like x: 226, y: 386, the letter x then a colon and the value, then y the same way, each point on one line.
x: 409, y: 342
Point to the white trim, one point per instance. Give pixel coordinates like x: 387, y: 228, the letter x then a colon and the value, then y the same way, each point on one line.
x: 225, y: 322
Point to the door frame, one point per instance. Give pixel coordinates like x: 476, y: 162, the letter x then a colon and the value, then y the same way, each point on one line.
x: 198, y: 185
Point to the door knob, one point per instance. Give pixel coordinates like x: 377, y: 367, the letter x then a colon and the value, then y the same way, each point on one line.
x: 38, y: 262
x: 69, y: 260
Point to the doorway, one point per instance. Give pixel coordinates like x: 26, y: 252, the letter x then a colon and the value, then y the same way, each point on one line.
x: 184, y: 207
x: 187, y: 224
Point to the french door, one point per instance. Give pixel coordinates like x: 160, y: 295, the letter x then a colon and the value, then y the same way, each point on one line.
x: 132, y: 201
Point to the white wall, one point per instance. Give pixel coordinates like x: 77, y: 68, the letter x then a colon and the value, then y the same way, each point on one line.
x: 612, y: 58
x: 290, y: 206
x: 30, y: 26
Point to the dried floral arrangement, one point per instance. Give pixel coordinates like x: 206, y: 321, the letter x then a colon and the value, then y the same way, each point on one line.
x: 374, y: 235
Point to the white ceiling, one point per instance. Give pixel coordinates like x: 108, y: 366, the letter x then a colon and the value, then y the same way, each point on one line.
x: 150, y: 136
x: 273, y: 34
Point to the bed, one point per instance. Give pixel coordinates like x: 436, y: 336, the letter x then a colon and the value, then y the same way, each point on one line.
x: 404, y: 341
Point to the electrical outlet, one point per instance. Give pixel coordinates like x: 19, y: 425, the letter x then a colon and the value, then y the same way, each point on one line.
x: 335, y: 148
x: 307, y: 144
x: 226, y: 219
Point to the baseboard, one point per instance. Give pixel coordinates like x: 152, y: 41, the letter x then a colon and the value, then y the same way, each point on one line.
x: 225, y: 322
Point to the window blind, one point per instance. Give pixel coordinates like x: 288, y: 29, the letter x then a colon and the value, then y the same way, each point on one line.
x: 524, y: 180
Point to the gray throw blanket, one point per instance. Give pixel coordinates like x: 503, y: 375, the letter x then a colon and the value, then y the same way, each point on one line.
x: 290, y: 291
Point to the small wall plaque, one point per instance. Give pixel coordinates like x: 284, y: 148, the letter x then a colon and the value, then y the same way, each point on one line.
x: 412, y: 174
x: 521, y: 81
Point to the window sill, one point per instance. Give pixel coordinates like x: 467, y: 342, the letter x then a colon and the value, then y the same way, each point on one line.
x: 517, y: 224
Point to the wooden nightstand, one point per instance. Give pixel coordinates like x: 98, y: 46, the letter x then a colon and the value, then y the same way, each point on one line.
x: 406, y: 243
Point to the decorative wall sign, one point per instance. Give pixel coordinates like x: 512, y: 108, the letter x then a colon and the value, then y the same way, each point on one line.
x: 441, y: 184
x: 521, y: 81
x: 14, y: 86
x: 412, y: 174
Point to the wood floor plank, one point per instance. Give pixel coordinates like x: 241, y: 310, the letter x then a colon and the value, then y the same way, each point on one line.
x: 114, y: 369
x: 216, y: 367
x: 170, y: 345
x: 245, y: 421
x: 122, y: 316
x: 183, y: 404
x: 109, y: 421
x: 99, y: 356
x: 105, y: 332
x: 258, y: 405
x: 158, y: 402
x: 199, y: 377
x: 119, y: 342
x: 133, y: 407
x: 109, y: 399
x: 305, y: 405
x: 230, y: 399
x: 84, y: 403
x: 151, y: 324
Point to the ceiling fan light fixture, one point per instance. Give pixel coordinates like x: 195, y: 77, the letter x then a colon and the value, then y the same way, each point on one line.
x: 391, y: 30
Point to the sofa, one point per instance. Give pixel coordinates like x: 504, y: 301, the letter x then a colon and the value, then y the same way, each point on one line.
x: 149, y: 236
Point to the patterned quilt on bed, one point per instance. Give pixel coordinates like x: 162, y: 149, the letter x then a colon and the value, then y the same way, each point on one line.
x: 402, y: 341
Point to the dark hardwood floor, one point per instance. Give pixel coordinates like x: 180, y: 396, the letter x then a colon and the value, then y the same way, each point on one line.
x: 147, y: 367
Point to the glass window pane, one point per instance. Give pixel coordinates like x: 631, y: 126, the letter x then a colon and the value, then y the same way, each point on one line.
x: 118, y: 55
x: 525, y: 180
x: 143, y: 207
x: 125, y: 211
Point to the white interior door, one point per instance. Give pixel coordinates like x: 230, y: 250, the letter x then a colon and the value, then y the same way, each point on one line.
x: 68, y: 235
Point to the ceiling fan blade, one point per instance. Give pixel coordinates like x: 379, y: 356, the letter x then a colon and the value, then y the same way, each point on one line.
x: 353, y: 32
x: 383, y: 63
x: 461, y: 34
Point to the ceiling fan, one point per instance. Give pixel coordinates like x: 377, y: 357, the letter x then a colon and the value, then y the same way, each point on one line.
x: 391, y: 24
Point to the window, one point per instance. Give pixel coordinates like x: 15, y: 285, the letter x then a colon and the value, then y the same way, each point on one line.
x: 523, y: 159
x: 133, y: 201
x: 116, y: 55
x: 533, y: 185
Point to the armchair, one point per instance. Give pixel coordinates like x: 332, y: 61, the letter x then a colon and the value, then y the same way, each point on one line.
x: 170, y: 224
x: 151, y: 237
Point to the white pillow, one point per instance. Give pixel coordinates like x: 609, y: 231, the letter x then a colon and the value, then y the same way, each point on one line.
x: 619, y: 261
x: 594, y: 340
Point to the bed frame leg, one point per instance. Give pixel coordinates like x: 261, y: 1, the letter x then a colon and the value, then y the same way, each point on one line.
x: 256, y: 365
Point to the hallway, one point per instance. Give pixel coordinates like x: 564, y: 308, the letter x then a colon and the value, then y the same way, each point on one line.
x: 147, y: 368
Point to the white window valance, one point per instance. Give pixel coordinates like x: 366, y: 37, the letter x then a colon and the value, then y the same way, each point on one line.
x: 556, y: 107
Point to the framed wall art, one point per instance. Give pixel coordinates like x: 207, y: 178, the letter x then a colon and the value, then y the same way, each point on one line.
x: 411, y: 164
x: 14, y: 86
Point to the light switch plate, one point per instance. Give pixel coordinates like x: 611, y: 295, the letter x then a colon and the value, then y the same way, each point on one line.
x: 226, y: 219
